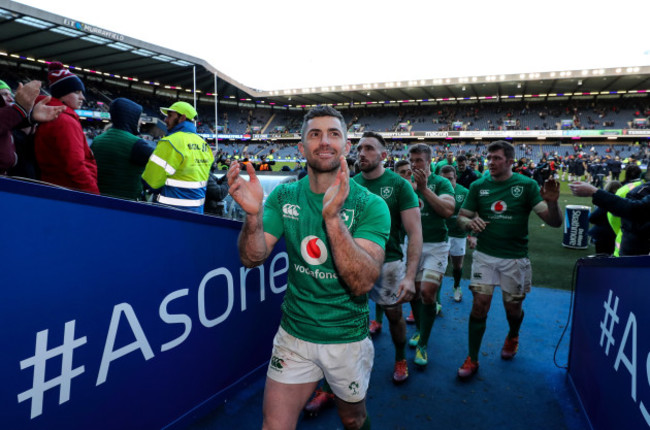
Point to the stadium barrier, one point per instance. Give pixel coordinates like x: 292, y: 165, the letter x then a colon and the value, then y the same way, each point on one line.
x: 125, y: 315
x: 609, y: 355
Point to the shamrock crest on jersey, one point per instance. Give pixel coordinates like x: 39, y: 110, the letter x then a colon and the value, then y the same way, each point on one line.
x: 517, y: 190
x: 347, y: 215
x: 386, y: 192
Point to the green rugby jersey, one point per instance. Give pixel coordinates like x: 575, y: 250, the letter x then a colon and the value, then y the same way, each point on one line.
x: 452, y: 226
x: 318, y: 307
x: 398, y: 195
x: 505, y: 206
x: 434, y: 227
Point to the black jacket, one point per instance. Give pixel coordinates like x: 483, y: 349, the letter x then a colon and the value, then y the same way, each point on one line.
x: 634, y: 211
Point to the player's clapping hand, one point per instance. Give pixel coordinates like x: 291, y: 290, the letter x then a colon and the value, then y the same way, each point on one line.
x: 420, y: 177
x: 248, y: 194
x: 337, y: 192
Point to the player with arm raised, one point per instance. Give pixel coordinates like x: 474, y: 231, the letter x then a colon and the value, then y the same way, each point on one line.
x: 496, y: 209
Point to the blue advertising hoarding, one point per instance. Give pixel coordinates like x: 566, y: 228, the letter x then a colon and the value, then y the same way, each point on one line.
x: 126, y: 315
x: 609, y: 357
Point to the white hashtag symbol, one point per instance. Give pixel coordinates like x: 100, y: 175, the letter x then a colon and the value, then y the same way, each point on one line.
x: 607, y: 330
x: 41, y: 355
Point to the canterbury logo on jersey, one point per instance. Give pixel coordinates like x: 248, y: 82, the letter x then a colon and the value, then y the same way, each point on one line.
x: 484, y: 192
x: 290, y: 211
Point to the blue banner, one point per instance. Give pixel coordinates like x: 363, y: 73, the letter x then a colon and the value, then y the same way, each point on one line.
x: 125, y: 315
x: 609, y: 357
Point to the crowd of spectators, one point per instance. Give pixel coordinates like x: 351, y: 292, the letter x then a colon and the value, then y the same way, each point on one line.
x: 58, y: 150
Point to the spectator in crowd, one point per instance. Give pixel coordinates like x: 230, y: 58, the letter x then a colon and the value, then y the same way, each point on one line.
x: 62, y: 151
x: 523, y: 168
x: 632, y: 180
x: 177, y: 171
x: 120, y: 154
x: 216, y: 192
x: 634, y: 211
x: 265, y: 165
x: 542, y: 172
x: 464, y: 173
x: 602, y: 233
x: 17, y: 112
x: 632, y: 174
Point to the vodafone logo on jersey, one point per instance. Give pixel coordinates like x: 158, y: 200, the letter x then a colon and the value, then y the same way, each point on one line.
x: 499, y: 207
x: 313, y: 250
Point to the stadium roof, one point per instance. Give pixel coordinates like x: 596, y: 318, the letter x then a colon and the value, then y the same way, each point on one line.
x: 32, y: 34
x: 28, y: 32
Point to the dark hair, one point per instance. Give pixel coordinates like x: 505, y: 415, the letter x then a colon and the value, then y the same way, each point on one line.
x: 401, y: 163
x: 375, y: 135
x: 461, y: 158
x: 447, y: 169
x: 420, y: 148
x: 319, y: 111
x: 508, y: 149
x: 632, y: 172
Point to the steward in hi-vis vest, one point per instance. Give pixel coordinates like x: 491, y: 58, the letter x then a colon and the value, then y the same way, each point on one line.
x: 178, y: 170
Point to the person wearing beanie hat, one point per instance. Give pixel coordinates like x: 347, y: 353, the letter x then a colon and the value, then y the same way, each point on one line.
x: 17, y: 112
x: 120, y: 154
x: 62, y: 150
x: 62, y: 81
x: 179, y: 168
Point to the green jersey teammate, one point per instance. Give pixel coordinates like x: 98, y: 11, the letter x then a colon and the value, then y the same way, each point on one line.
x: 458, y: 239
x: 395, y: 286
x: 497, y: 208
x: 436, y: 204
x: 335, y: 232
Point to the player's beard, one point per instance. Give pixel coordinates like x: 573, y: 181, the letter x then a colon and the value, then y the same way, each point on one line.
x: 369, y: 166
x: 333, y: 165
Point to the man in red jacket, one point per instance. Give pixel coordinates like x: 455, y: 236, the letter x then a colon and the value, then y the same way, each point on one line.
x: 62, y: 151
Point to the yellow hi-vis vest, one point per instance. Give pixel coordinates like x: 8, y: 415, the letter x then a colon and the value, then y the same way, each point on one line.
x: 180, y: 168
x: 615, y: 221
